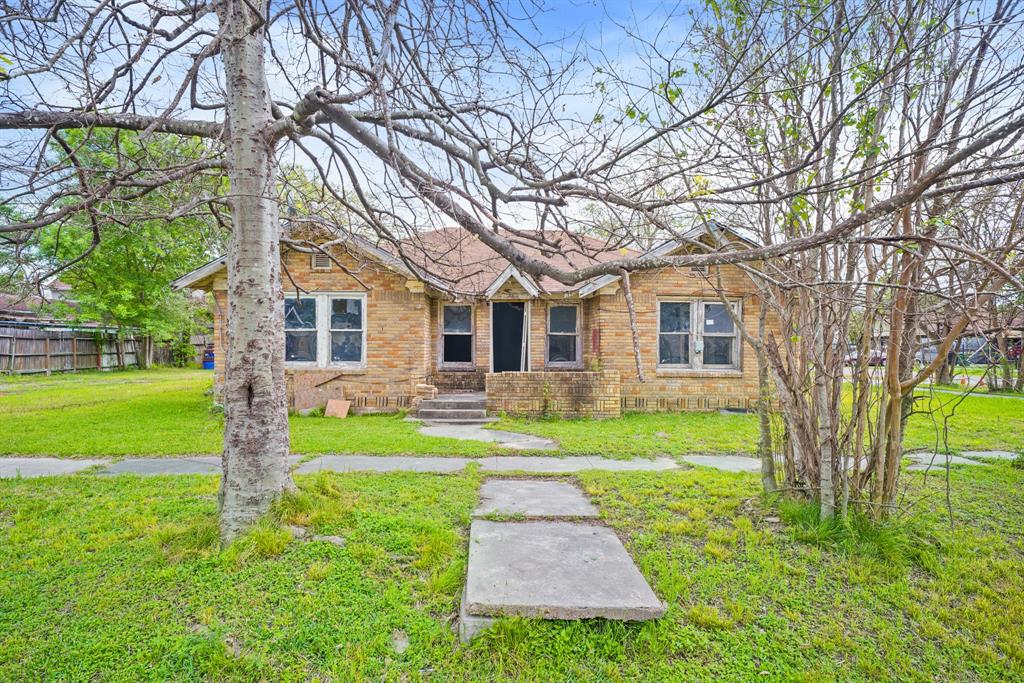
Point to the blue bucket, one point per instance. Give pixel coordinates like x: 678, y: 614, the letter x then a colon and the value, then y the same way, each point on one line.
x: 207, y: 365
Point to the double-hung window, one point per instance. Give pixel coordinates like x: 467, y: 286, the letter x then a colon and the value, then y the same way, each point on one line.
x: 300, y: 333
x: 697, y: 334
x: 719, y: 335
x: 674, y: 325
x: 457, y: 335
x: 563, y: 335
x: 347, y: 329
x: 325, y: 330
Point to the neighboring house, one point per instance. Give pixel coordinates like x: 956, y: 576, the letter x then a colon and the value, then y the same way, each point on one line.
x: 378, y: 334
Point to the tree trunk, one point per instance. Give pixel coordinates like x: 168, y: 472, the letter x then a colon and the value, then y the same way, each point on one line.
x: 255, y: 460
x: 764, y: 445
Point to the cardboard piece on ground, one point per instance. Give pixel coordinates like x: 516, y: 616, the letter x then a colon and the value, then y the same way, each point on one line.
x: 337, y: 408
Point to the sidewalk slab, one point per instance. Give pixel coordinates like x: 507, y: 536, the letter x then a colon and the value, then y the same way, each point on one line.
x: 381, y: 463
x: 198, y: 464
x: 727, y: 463
x: 533, y: 499
x: 924, y: 461
x: 554, y: 570
x: 578, y: 463
x: 202, y: 464
x: 995, y: 455
x: 12, y: 468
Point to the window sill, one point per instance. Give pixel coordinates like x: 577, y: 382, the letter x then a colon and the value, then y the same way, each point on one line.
x: 344, y: 369
x: 563, y: 366
x: 456, y: 368
x: 698, y: 373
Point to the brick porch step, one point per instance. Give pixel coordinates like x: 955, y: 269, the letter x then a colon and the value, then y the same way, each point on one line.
x: 455, y: 408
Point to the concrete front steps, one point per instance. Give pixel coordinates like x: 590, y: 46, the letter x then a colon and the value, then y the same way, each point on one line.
x: 455, y: 409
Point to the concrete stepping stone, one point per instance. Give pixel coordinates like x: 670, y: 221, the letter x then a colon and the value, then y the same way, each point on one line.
x: 476, y: 432
x: 551, y: 570
x: 531, y: 498
x: 12, y: 468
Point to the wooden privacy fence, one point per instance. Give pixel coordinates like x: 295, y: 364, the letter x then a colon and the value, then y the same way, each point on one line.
x: 26, y: 350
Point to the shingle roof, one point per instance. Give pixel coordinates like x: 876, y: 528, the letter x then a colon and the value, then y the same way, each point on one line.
x: 458, y: 256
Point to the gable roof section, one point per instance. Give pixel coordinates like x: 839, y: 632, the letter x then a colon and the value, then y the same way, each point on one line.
x: 665, y: 249
x: 511, y: 273
x: 459, y: 257
x: 198, y: 277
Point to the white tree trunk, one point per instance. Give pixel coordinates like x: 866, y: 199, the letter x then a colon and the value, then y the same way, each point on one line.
x: 256, y: 416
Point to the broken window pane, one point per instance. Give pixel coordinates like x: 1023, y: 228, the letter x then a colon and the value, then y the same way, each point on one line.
x: 458, y: 319
x: 299, y: 314
x: 717, y: 320
x: 458, y: 348
x: 562, y: 348
x: 718, y: 350
x: 346, y: 314
x: 346, y: 347
x: 300, y: 346
x: 675, y: 317
x: 674, y: 349
x: 563, y: 319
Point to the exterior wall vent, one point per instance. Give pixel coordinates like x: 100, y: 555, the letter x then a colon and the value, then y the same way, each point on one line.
x: 321, y: 261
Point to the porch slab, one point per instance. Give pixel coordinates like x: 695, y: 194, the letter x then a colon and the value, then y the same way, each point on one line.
x: 554, y: 570
x: 532, y: 498
x: 14, y: 468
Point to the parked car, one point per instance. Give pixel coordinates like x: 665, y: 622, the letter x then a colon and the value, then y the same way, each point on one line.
x: 876, y: 357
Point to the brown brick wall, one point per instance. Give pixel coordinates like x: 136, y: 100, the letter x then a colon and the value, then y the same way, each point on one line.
x: 673, y: 389
x: 403, y: 345
x: 397, y: 335
x: 563, y: 393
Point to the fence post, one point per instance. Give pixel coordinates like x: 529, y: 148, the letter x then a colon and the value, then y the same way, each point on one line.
x: 46, y: 350
x: 74, y: 353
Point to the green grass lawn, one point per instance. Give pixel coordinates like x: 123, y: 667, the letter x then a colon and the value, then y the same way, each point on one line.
x: 974, y: 423
x: 119, y: 579
x: 168, y: 412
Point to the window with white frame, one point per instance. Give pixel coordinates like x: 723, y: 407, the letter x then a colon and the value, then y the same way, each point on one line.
x: 719, y: 335
x: 457, y: 334
x: 300, y: 330
x: 325, y: 329
x: 674, y: 325
x: 697, y: 334
x: 347, y: 329
x: 563, y: 335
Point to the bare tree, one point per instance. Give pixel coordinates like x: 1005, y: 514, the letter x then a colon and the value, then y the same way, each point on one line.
x: 415, y: 114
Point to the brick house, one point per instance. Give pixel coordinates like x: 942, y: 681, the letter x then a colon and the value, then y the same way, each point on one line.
x: 368, y: 327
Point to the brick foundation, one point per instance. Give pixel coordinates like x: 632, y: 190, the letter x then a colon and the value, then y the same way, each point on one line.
x: 566, y: 394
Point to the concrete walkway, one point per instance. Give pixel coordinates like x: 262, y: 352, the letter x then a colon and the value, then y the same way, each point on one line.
x: 477, y: 432
x: 211, y: 464
x: 545, y: 566
x: 499, y: 463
